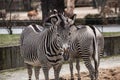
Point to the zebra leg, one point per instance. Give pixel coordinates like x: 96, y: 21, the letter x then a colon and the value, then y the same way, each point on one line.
x: 46, y: 72
x: 89, y: 66
x: 57, y: 69
x: 29, y: 68
x: 36, y: 70
x: 71, y: 68
x: 78, y: 68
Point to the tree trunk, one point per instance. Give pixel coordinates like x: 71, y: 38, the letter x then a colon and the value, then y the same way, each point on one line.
x: 9, y: 27
x: 119, y: 6
x: 50, y: 5
x: 95, y: 4
x: 70, y: 8
x: 27, y: 4
x: 102, y: 4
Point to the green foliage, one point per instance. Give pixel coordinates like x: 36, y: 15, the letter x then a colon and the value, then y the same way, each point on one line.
x: 79, y: 21
x: 97, y: 19
x: 109, y: 34
x: 93, y: 19
x: 92, y: 16
x: 118, y: 20
x: 7, y: 40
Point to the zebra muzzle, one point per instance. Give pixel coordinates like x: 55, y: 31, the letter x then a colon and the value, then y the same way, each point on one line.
x: 65, y: 46
x: 66, y: 54
x: 61, y: 50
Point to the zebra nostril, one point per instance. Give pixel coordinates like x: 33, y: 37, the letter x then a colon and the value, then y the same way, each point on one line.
x: 69, y: 33
x: 65, y: 46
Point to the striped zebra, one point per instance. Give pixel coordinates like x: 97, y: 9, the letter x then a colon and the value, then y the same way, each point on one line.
x: 87, y: 43
x: 45, y: 47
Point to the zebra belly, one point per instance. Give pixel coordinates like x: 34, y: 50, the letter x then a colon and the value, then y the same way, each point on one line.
x: 33, y: 63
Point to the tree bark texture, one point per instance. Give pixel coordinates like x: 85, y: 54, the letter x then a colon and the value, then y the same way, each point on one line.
x: 50, y: 5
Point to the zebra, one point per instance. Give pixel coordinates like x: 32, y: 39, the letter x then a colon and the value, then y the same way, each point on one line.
x: 87, y: 42
x: 45, y: 49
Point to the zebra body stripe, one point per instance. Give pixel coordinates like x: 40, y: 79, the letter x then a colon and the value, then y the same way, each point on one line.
x: 86, y: 42
x: 43, y: 47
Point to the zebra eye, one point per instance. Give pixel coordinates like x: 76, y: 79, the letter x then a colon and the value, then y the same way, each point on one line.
x: 58, y: 34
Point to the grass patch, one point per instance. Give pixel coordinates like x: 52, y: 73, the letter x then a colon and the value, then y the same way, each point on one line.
x: 111, y: 34
x: 6, y: 39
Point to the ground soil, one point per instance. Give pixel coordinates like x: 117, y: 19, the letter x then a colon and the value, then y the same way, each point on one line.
x: 104, y: 74
x: 109, y: 69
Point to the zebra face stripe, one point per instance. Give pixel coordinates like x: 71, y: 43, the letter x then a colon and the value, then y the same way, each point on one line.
x: 57, y: 40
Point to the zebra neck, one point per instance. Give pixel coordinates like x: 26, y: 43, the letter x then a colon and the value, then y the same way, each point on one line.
x: 53, y: 44
x: 50, y: 42
x: 51, y: 50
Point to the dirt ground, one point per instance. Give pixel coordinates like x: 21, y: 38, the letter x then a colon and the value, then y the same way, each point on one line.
x: 104, y: 74
x: 109, y: 69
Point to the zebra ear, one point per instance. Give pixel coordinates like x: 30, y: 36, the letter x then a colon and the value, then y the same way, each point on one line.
x: 53, y: 12
x: 73, y: 17
x: 50, y: 21
x: 54, y: 21
x: 72, y: 21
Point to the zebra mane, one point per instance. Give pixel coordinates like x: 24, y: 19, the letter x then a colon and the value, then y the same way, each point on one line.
x: 36, y: 28
x: 80, y: 27
x: 93, y: 28
x: 69, y: 20
x: 62, y: 23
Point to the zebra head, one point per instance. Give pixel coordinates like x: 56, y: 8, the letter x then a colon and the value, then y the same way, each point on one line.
x: 64, y: 29
x: 61, y: 25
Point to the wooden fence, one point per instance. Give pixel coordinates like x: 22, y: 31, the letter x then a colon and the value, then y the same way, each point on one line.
x: 112, y: 45
x: 10, y: 56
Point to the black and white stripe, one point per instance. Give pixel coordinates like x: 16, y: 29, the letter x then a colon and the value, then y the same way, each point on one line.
x: 86, y: 42
x: 44, y: 48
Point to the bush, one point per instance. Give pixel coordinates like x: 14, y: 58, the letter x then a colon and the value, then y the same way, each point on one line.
x: 118, y: 19
x: 91, y: 19
x: 112, y: 20
x: 79, y: 21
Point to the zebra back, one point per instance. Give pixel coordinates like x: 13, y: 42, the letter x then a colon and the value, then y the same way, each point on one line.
x: 31, y: 29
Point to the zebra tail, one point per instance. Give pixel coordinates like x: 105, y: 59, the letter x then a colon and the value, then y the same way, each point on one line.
x: 96, y: 57
x: 95, y: 48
